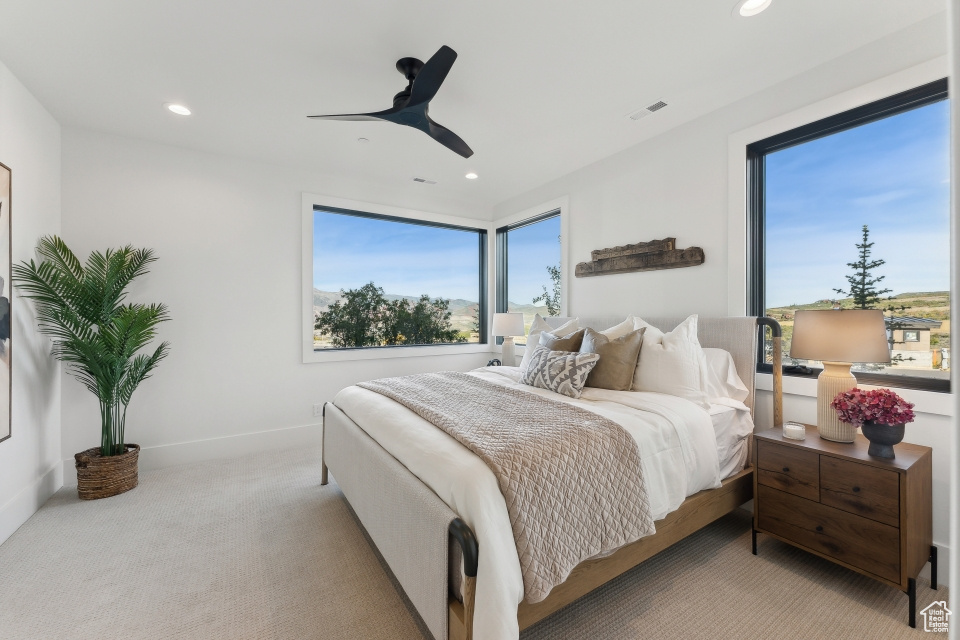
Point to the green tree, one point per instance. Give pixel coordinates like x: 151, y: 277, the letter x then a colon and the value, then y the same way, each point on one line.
x: 365, y: 318
x: 475, y: 325
x: 863, y: 289
x: 424, y: 322
x: 551, y: 298
x: 862, y: 282
x: 355, y: 320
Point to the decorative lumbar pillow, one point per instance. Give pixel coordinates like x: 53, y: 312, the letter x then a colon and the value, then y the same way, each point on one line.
x: 559, y: 371
x: 533, y: 338
x: 618, y: 358
x: 569, y: 342
x: 672, y: 363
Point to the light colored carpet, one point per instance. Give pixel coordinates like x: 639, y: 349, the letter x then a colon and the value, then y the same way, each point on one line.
x: 254, y: 548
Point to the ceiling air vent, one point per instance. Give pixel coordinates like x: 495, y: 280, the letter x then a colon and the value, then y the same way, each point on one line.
x: 643, y: 113
x: 425, y: 181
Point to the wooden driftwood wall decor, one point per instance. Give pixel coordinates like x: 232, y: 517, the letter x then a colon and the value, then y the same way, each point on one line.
x: 643, y: 256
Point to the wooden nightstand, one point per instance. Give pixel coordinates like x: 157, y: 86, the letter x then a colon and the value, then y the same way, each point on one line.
x: 871, y: 515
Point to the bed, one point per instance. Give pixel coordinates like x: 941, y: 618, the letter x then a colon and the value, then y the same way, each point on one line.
x: 414, y: 489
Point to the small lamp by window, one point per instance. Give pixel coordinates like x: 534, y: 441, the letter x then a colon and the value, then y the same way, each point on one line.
x: 838, y: 338
x: 507, y: 325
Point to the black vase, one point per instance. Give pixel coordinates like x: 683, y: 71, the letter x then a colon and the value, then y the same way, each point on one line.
x: 882, y: 437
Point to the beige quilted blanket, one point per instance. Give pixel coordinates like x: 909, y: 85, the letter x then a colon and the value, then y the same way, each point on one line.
x: 571, y: 479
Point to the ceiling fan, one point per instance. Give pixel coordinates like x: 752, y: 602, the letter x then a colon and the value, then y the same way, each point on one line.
x: 411, y: 106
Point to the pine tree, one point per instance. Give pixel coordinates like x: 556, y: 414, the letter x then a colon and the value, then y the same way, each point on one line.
x: 862, y: 282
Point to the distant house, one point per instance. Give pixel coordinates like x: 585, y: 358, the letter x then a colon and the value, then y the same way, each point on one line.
x: 910, y: 339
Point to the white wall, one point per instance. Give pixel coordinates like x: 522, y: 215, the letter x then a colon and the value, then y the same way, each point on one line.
x: 30, y: 468
x: 685, y: 184
x: 227, y: 233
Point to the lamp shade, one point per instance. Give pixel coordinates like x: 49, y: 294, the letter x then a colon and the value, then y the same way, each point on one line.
x: 508, y: 324
x: 840, y: 335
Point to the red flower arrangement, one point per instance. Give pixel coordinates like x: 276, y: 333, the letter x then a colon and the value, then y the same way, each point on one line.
x: 882, y: 406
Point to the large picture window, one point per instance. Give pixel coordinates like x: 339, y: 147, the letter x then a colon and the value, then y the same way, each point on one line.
x: 528, y: 268
x: 853, y: 212
x: 384, y: 281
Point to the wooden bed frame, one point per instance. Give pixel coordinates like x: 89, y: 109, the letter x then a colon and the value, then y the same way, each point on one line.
x: 693, y: 514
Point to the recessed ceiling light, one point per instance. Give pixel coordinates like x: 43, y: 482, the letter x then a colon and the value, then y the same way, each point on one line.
x: 471, y: 176
x: 747, y: 8
x: 178, y: 109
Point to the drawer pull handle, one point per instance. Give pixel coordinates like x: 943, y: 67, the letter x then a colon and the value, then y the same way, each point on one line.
x: 856, y: 489
x: 819, y: 528
x: 786, y: 469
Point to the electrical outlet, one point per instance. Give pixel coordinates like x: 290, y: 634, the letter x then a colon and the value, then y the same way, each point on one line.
x: 317, y: 410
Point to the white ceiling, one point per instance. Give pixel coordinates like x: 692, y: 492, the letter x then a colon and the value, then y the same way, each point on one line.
x: 540, y: 89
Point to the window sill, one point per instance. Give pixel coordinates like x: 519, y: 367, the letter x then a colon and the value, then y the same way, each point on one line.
x: 381, y: 353
x: 932, y: 402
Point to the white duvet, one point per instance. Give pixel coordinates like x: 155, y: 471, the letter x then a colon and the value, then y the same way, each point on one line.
x: 678, y: 450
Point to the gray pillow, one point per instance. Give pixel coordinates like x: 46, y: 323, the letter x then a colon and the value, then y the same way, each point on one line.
x: 559, y: 371
x: 570, y: 342
x: 618, y: 359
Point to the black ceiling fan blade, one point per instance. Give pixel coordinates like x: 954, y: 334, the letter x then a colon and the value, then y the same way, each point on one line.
x: 377, y: 115
x: 447, y: 138
x: 432, y: 75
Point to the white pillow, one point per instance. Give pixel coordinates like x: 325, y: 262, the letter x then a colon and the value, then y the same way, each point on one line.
x: 533, y: 338
x: 723, y: 381
x: 619, y: 330
x: 672, y: 363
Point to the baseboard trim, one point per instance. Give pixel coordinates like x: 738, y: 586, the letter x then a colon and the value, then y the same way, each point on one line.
x: 171, y: 455
x: 20, y: 507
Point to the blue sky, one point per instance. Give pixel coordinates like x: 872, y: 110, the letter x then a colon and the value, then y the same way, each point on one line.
x: 892, y: 175
x: 406, y: 259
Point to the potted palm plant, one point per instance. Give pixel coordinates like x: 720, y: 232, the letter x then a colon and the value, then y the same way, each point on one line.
x: 99, y: 338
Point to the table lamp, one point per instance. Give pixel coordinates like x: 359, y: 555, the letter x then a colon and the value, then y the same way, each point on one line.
x: 507, y: 325
x: 838, y: 338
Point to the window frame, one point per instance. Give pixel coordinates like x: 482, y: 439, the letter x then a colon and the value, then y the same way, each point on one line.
x: 503, y: 254
x: 756, y: 153
x: 503, y: 258
x: 312, y: 203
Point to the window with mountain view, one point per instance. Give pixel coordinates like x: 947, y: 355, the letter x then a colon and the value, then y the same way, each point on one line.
x: 853, y: 212
x: 380, y: 281
x: 529, y: 268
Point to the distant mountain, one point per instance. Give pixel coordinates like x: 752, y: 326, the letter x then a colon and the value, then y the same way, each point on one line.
x: 323, y: 300
x: 462, y: 312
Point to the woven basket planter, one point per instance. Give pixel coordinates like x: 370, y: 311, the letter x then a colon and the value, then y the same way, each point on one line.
x: 102, y: 477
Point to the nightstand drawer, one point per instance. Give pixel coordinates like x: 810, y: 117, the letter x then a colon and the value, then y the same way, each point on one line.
x: 861, y: 489
x: 861, y: 542
x: 788, y: 469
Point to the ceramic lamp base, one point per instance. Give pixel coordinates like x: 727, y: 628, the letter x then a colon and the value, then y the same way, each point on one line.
x: 836, y: 377
x: 509, y: 354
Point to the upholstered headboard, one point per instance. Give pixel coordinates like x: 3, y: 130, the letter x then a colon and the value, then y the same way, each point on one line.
x: 737, y: 335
